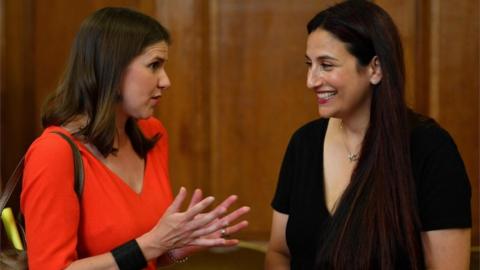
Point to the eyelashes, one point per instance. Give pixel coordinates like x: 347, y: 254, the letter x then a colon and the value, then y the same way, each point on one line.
x: 324, y: 66
x: 154, y: 66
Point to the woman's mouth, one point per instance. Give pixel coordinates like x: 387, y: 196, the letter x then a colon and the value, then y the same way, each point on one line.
x: 155, y: 99
x: 324, y: 96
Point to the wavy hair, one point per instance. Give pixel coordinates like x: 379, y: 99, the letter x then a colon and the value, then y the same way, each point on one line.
x: 106, y: 43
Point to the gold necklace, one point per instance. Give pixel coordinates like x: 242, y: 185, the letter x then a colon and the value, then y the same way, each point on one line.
x: 351, y: 156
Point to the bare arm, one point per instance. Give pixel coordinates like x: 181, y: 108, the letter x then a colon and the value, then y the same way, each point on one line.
x: 278, y: 255
x: 447, y: 249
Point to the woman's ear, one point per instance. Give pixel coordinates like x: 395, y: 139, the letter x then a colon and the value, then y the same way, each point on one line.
x: 375, y: 70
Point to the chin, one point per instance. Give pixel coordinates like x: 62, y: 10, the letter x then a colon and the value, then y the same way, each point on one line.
x: 141, y: 116
x: 326, y: 112
x: 144, y: 117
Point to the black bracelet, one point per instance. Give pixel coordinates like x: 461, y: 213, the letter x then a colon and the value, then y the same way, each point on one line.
x: 129, y: 256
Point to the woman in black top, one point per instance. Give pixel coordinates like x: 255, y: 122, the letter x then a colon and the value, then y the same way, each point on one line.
x: 370, y: 185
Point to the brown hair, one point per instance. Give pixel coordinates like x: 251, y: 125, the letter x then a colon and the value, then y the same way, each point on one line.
x: 376, y: 223
x: 106, y: 43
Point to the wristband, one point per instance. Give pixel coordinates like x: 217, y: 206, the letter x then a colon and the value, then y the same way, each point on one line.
x: 129, y: 256
x: 174, y: 259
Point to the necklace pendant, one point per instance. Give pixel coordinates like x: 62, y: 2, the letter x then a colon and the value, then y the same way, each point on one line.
x: 353, y: 157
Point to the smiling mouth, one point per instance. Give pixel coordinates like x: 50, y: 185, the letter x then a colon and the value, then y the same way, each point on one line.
x: 324, y: 97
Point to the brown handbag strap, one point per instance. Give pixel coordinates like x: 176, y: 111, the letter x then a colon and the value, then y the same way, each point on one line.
x: 77, y: 165
x: 18, y: 173
x: 12, y: 183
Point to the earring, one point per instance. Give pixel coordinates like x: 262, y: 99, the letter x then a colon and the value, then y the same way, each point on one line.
x: 375, y: 81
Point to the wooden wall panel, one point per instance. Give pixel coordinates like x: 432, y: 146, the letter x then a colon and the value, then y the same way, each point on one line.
x: 421, y: 60
x: 454, y: 91
x: 440, y: 40
x: 404, y: 16
x: 185, y: 107
x: 260, y: 97
x: 16, y: 83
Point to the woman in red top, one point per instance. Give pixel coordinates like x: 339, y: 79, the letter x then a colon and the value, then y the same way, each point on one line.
x: 126, y: 217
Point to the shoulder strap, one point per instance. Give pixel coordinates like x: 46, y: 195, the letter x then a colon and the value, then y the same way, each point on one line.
x: 18, y: 173
x: 77, y: 164
x: 12, y: 183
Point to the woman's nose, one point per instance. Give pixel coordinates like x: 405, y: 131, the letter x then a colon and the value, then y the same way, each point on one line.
x: 163, y: 80
x: 314, y: 79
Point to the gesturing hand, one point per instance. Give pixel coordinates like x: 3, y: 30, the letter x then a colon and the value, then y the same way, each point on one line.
x: 177, y: 229
x: 225, y: 230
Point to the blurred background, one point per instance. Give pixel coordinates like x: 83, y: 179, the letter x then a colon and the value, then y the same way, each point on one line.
x: 238, y: 87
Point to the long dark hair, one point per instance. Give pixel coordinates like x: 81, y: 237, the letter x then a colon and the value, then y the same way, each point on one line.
x: 376, y: 224
x: 106, y: 43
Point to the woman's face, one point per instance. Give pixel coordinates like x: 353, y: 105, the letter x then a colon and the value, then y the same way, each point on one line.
x: 144, y: 81
x: 342, y: 87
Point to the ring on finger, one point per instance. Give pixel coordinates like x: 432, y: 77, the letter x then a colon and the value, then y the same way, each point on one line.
x: 224, y: 233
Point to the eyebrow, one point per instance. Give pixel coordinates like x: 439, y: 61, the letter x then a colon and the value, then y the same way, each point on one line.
x: 154, y: 54
x: 323, y: 57
x: 157, y: 58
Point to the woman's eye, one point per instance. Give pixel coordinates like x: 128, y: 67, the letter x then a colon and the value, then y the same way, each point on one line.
x: 308, y: 63
x: 327, y: 67
x: 155, y: 65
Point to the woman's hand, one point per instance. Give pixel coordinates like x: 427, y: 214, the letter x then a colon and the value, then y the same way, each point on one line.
x: 225, y: 230
x: 178, y: 229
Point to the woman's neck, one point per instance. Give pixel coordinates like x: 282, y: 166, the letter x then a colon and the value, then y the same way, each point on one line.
x: 355, y: 126
x: 77, y: 124
x: 350, y: 132
x: 121, y: 137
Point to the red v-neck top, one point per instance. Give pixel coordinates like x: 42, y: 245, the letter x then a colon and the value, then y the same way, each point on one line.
x: 60, y: 229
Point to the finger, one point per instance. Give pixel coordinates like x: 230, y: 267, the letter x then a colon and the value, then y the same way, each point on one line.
x: 209, y: 229
x: 225, y: 204
x: 237, y: 227
x: 177, y: 202
x: 196, y: 198
x: 206, y: 220
x: 235, y: 214
x: 226, y: 220
x: 214, y: 242
x: 198, y: 207
x: 230, y: 242
x: 217, y: 223
x: 229, y: 201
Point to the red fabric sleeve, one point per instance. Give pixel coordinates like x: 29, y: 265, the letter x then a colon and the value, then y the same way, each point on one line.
x: 50, y: 204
